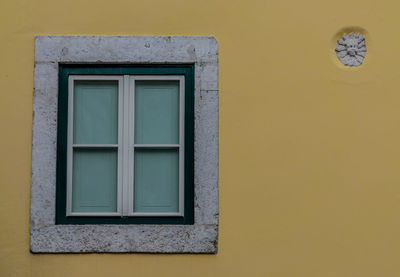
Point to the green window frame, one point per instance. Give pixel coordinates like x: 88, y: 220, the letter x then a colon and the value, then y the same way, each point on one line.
x: 115, y: 72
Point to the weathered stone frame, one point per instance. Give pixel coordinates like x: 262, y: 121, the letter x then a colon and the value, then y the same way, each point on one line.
x: 45, y: 235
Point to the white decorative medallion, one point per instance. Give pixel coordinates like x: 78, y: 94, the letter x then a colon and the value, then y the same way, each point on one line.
x: 351, y: 49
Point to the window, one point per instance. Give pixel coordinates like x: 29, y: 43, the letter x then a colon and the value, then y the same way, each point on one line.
x: 105, y: 65
x: 125, y: 144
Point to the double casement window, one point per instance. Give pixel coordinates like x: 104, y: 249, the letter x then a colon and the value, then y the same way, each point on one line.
x: 125, y: 145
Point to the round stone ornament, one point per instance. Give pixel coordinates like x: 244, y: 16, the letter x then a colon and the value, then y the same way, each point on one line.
x: 350, y: 49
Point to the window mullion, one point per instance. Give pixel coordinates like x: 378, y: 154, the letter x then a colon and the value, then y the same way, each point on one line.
x: 125, y: 146
x: 131, y: 143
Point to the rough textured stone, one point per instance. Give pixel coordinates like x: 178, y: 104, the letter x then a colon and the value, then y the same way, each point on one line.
x: 206, y: 157
x: 198, y: 238
x: 125, y: 49
x: 351, y: 49
x: 202, y: 237
x: 209, y: 75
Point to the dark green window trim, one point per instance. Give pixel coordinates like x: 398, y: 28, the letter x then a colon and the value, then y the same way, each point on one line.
x: 62, y: 128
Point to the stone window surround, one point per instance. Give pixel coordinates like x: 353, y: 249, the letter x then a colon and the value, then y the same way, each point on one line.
x: 202, y: 236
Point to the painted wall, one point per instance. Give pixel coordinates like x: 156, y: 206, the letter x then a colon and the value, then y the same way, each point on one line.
x: 309, y: 149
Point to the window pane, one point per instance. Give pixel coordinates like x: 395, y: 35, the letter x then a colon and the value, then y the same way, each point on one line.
x: 156, y: 180
x: 96, y: 112
x: 157, y: 112
x: 94, y: 181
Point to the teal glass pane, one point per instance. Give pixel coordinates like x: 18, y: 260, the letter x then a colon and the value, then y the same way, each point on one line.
x: 157, y: 112
x: 96, y: 112
x: 156, y: 180
x: 94, y: 180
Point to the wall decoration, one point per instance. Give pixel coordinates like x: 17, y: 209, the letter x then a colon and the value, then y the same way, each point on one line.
x: 351, y: 49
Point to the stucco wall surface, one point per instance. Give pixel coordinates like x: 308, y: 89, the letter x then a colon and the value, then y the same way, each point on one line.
x: 309, y: 149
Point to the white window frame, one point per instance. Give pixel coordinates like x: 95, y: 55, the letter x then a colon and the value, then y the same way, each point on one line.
x: 126, y: 143
x: 180, y: 145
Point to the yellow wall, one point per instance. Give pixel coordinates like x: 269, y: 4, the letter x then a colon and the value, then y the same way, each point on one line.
x: 309, y: 149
